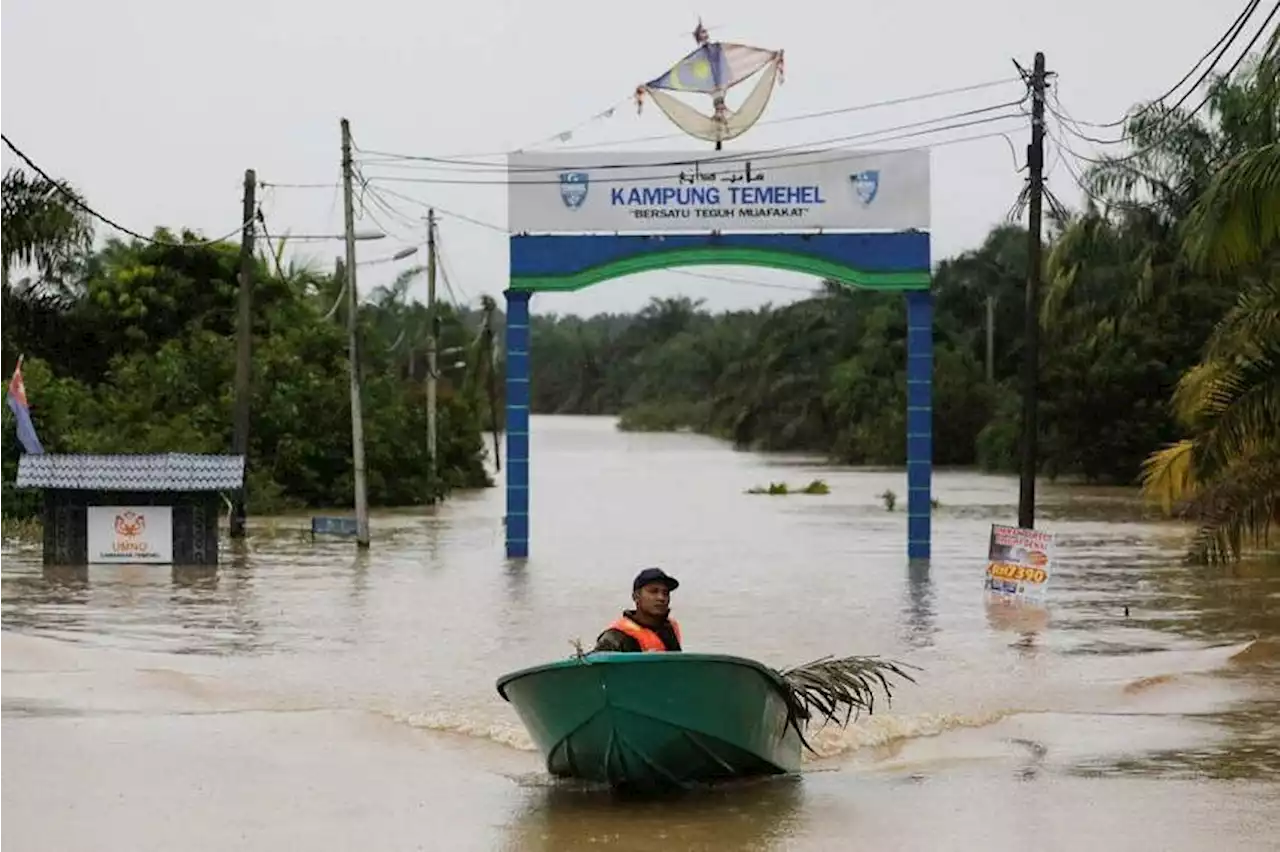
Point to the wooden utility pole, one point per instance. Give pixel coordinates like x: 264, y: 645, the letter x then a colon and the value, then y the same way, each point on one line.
x: 433, y: 343
x: 1031, y: 356
x: 353, y: 318
x: 244, y: 350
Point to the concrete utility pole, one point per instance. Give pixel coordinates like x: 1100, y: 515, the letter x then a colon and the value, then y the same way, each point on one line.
x: 433, y: 344
x: 353, y: 304
x: 1031, y: 362
x: 244, y: 349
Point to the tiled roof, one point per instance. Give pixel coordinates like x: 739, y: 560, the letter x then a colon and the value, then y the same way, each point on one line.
x: 160, y: 472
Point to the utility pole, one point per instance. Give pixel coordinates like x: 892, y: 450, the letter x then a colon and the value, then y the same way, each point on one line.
x: 433, y: 343
x: 1031, y: 356
x: 244, y: 350
x: 353, y: 304
x: 991, y: 340
x: 486, y: 338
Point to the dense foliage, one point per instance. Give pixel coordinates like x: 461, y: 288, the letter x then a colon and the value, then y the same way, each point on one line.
x: 1165, y: 280
x: 131, y: 349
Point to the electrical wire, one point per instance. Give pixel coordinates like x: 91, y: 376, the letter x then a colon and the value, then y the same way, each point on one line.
x: 480, y: 223
x: 474, y: 166
x: 846, y: 157
x: 1232, y: 32
x: 75, y: 200
x: 792, y: 150
x: 826, y: 113
x: 1170, y: 112
x: 1187, y: 118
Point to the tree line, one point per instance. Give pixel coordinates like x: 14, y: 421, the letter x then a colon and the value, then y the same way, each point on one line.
x: 1160, y: 332
x: 1160, y: 335
x: 129, y: 347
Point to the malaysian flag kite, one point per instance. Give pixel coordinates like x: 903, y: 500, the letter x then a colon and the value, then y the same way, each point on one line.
x: 712, y: 69
x: 17, y: 399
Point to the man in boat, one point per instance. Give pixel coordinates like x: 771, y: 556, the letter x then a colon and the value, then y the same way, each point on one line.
x: 648, y: 627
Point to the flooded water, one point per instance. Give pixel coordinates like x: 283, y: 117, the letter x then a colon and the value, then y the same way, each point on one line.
x: 303, y: 696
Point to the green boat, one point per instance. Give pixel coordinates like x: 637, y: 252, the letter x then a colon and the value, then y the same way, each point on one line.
x: 657, y: 720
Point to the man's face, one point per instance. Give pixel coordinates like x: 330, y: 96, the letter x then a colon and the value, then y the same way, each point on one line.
x: 653, y: 600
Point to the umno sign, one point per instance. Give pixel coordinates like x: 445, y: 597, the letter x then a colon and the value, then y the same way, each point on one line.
x: 121, y: 534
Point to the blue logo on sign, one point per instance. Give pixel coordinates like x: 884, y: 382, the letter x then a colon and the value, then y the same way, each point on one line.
x: 573, y: 188
x: 866, y: 185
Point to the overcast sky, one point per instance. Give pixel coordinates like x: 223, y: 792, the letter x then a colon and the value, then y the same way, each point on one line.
x: 154, y: 108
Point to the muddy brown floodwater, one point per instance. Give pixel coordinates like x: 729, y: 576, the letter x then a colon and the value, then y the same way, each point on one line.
x: 304, y: 697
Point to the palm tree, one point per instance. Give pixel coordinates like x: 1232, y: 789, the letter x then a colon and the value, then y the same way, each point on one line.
x: 41, y: 227
x: 1227, y: 475
x: 44, y: 225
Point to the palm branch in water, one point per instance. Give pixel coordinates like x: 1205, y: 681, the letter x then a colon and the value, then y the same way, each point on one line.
x: 837, y: 689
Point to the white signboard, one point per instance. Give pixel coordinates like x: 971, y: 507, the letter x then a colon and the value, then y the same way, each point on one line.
x: 663, y: 192
x: 131, y: 534
x: 1019, y: 561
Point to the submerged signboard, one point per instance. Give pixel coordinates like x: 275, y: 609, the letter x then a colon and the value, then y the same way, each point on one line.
x: 1019, y: 561
x: 656, y: 192
x: 130, y: 534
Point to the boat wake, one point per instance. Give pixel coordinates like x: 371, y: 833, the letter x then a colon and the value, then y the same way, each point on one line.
x: 879, y: 730
x: 829, y: 741
x: 502, y: 733
x: 883, y: 729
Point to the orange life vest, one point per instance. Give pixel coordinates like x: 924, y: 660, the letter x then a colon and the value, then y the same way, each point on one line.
x: 649, y: 639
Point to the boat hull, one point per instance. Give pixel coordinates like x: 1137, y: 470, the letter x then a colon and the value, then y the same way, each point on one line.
x: 656, y: 719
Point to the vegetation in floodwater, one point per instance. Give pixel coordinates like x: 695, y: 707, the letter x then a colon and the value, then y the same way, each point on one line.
x: 660, y: 418
x: 817, y: 486
x: 889, y: 499
x: 151, y: 371
x: 26, y: 530
x: 1167, y: 276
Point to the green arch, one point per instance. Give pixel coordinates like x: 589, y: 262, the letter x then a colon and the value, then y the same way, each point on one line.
x: 720, y: 255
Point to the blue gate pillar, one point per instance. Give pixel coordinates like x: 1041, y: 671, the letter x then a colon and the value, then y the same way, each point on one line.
x: 919, y: 422
x: 517, y: 349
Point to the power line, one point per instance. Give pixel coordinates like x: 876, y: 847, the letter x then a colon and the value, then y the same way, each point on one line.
x: 1231, y: 33
x: 75, y: 200
x: 792, y: 150
x: 480, y: 223
x: 1186, y: 119
x: 1070, y: 124
x: 826, y: 113
x: 763, y: 154
x: 846, y: 157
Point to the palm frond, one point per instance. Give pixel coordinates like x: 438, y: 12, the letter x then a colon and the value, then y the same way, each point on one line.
x: 1168, y: 475
x: 1192, y: 391
x: 1241, y: 504
x: 1255, y: 316
x: 1241, y: 406
x: 831, y: 688
x: 1237, y: 219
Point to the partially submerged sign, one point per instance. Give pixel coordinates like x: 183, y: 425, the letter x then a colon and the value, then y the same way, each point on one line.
x: 668, y: 191
x: 1019, y: 561
x: 124, y: 534
x: 321, y: 525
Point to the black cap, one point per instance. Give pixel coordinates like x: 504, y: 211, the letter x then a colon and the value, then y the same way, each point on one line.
x: 655, y: 575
